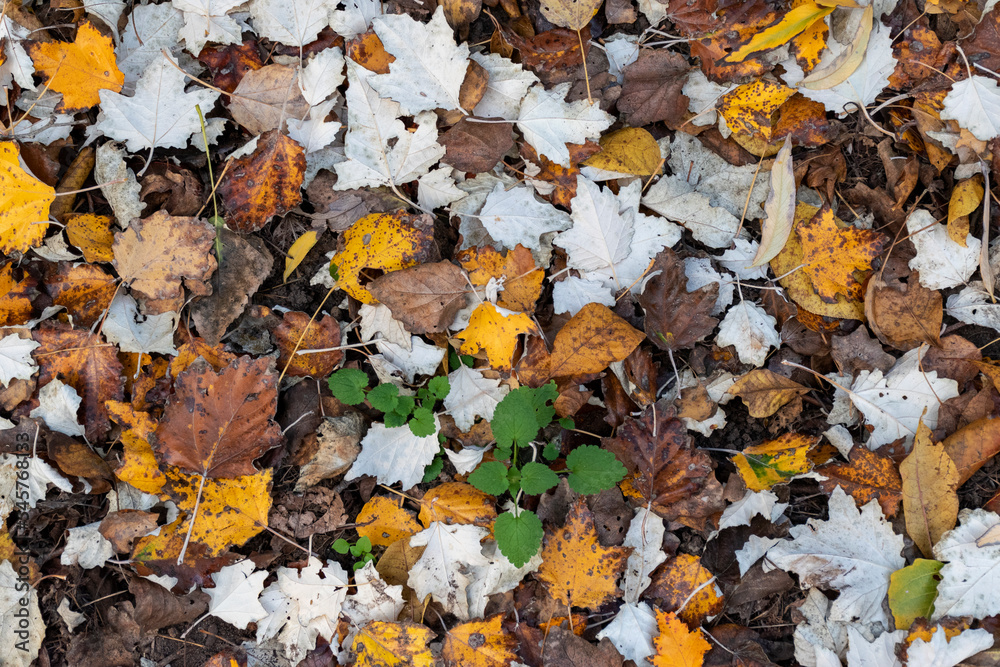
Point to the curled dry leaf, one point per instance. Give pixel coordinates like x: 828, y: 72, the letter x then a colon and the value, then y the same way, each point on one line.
x: 765, y: 392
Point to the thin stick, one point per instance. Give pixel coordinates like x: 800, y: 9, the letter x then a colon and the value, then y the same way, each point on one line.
x: 583, y: 55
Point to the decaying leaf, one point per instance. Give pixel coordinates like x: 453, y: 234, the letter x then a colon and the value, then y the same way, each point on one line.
x: 590, y: 341
x: 425, y: 298
x: 265, y: 183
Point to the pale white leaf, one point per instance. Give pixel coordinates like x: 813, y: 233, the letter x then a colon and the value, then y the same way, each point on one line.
x: 622, y: 50
x: 975, y: 103
x: 702, y: 94
x: 314, y: 133
x: 974, y: 306
x: 498, y: 576
x: 71, y: 618
x: 421, y: 359
x: 548, y: 122
x: 675, y: 199
x: 108, y: 11
x: 322, y: 75
x: 779, y: 207
x: 291, y: 23
x: 119, y: 185
x: 654, y: 11
x: 879, y: 653
x: 234, y: 598
x: 150, y: 28
x: 632, y: 631
x: 429, y: 68
x: 765, y: 503
x: 852, y: 552
x: 16, y: 64
x: 12, y: 611
x: 472, y: 395
x: 207, y: 21
x: 507, y: 85
x: 468, y: 458
x: 751, y: 331
x: 395, y: 455
x: 571, y: 294
x: 86, y: 547
x: 437, y: 189
x: 942, y: 262
x: 15, y: 358
x: 40, y: 475
x: 374, y: 599
x: 355, y: 18
x: 516, y: 216
x: 738, y: 258
x: 645, y: 537
x: 753, y: 550
x: 58, y: 405
x: 377, y: 320
x: 724, y: 184
x: 134, y: 332
x: 452, y: 550
x: 940, y: 652
x: 970, y: 578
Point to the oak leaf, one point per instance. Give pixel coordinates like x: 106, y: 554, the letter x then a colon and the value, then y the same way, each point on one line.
x: 480, y: 644
x: 495, y: 333
x: 930, y: 484
x: 216, y: 424
x: 592, y: 339
x: 676, y: 319
x: 425, y: 298
x: 833, y: 255
x: 676, y: 646
x: 25, y: 211
x: 154, y: 254
x: 78, y: 69
x: 576, y: 568
x: 266, y: 183
x: 765, y: 392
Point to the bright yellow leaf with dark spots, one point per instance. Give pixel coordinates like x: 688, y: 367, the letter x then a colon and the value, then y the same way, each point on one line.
x: 456, y: 502
x: 479, y: 644
x: 794, y: 22
x: 379, y: 243
x: 676, y: 646
x: 298, y: 252
x: 965, y: 198
x: 748, y: 110
x: 775, y: 462
x: 684, y: 584
x: 24, y: 209
x: 630, y: 150
x: 807, y: 47
x: 383, y: 521
x: 139, y: 466
x: 383, y: 644
x: 837, y: 259
x: 15, y: 296
x: 92, y: 234
x: 79, y: 69
x: 495, y: 333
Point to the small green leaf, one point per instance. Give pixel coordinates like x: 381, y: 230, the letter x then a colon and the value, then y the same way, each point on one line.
x: 537, y: 478
x: 423, y: 394
x: 394, y: 419
x: 348, y: 385
x: 422, y: 424
x: 364, y: 544
x: 567, y: 422
x: 439, y: 387
x: 515, y: 419
x: 360, y: 564
x: 434, y: 469
x: 334, y: 272
x: 490, y: 477
x: 405, y: 405
x: 384, y: 397
x: 514, y: 480
x: 341, y: 546
x: 518, y: 537
x: 551, y: 451
x: 593, y: 469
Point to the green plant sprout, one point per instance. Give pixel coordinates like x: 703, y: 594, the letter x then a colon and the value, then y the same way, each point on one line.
x: 216, y: 219
x: 362, y: 550
x: 350, y: 386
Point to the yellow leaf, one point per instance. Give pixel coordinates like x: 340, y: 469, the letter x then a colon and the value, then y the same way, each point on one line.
x: 794, y: 22
x: 779, y: 207
x: 139, y: 466
x: 837, y: 258
x: 298, y: 252
x: 774, y: 462
x: 24, y: 210
x: 630, y: 150
x: 676, y: 646
x: 572, y: 14
x: 965, y: 198
x: 522, y: 279
x: 930, y: 481
x: 479, y: 644
x: 456, y: 502
x: 683, y: 583
x: 15, y: 296
x: 495, y: 333
x: 592, y: 339
x: 383, y: 521
x: 847, y: 62
x: 383, y: 644
x: 92, y: 234
x: 765, y: 392
x: 748, y: 108
x: 79, y: 69
x: 379, y: 243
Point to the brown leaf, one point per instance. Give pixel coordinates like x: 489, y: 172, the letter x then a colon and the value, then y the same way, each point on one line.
x: 77, y: 458
x: 336, y: 448
x: 563, y: 648
x: 217, y: 424
x: 675, y: 318
x: 954, y: 358
x: 652, y: 89
x: 668, y: 471
x: 264, y: 184
x: 229, y: 63
x: 123, y: 527
x: 972, y: 446
x: 681, y: 585
x: 425, y: 298
x: 764, y: 392
x: 860, y: 352
x: 868, y: 475
x: 15, y: 295
x: 554, y: 55
x: 173, y: 188
x: 476, y: 147
x: 266, y: 97
x: 321, y: 334
x: 84, y: 289
x: 156, y: 607
x: 562, y: 178
x: 154, y: 254
x: 591, y: 340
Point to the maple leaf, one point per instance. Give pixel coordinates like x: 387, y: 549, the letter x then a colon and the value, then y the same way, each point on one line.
x: 548, y: 122
x: 135, y: 332
x: 750, y: 330
x: 294, y: 24
x: 515, y: 217
x: 833, y: 255
x: 207, y: 21
x: 439, y: 572
x: 577, y: 569
x: 975, y: 103
x: 15, y: 359
x: 494, y: 331
x: 675, y: 319
x: 234, y: 598
x: 508, y: 82
x: 472, y: 395
x: 218, y: 423
x: 676, y: 646
x: 25, y: 213
x: 941, y: 261
x: 79, y: 70
x: 970, y: 576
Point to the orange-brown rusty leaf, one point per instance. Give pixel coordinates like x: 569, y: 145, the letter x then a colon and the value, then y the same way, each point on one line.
x: 793, y: 22
x: 230, y: 512
x: 154, y: 254
x: 676, y: 646
x: 904, y: 315
x: 217, y: 357
x: 92, y: 234
x: 216, y: 424
x: 384, y: 644
x: 84, y: 289
x: 562, y: 178
x: 495, y: 333
x: 676, y: 319
x: 865, y: 476
x: 973, y: 445
x: 682, y: 584
x: 836, y: 256
x: 930, y: 484
x: 577, y: 570
x: 774, y: 462
x: 457, y: 502
x: 138, y: 466
x: 323, y: 333
x: 24, y: 212
x: 367, y: 50
x: 15, y: 296
x: 383, y: 521
x: 712, y: 48
x: 479, y: 644
x: 592, y: 339
x: 425, y: 298
x: 522, y: 280
x: 266, y: 183
x: 378, y: 243
x: 765, y: 392
x: 78, y: 69
x: 85, y: 362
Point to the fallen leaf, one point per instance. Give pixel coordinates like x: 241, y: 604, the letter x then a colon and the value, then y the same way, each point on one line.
x: 480, y: 644
x: 975, y: 103
x: 652, y: 89
x: 592, y: 339
x: 521, y: 279
x: 779, y: 207
x: 676, y: 646
x: 972, y: 446
x: 495, y: 333
x: 298, y: 329
x: 867, y: 476
x: 476, y: 147
x: 395, y: 455
x: 85, y: 290
x: 904, y: 314
x: 775, y: 462
x: 25, y: 213
x: 440, y: 572
x: 381, y: 643
x: 570, y: 14
x: 549, y: 123
x: 92, y: 235
x: 791, y: 24
x: 78, y: 69
x: 765, y: 392
x: 833, y: 255
x: 676, y: 319
x: 425, y: 298
x: 750, y: 330
x: 930, y: 482
x: 457, y: 503
x: 683, y: 586
x: 383, y: 521
x: 912, y: 591
x: 265, y: 97
x: 968, y: 579
x: 263, y: 184
x: 630, y: 150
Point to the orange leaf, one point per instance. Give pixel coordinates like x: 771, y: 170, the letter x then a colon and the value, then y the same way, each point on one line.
x: 868, y: 475
x: 748, y: 108
x: 479, y: 644
x: 383, y: 644
x: 217, y: 424
x: 676, y: 646
x: 323, y: 333
x: 92, y: 235
x: 834, y: 256
x: 522, y: 280
x: 578, y: 571
x: 266, y: 183
x: 495, y: 333
x: 383, y: 521
x: 15, y: 296
x: 930, y: 481
x: 84, y: 289
x: 774, y: 462
x: 973, y: 445
x: 456, y: 502
x: 676, y: 583
x: 791, y: 24
x: 79, y: 69
x: 26, y: 200
x: 591, y: 340
x: 139, y: 466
